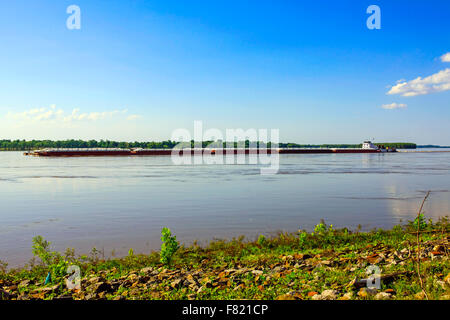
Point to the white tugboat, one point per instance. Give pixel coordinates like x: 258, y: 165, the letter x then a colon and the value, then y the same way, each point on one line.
x: 368, y: 145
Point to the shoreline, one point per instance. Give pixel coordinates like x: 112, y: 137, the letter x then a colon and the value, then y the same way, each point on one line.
x: 325, y: 264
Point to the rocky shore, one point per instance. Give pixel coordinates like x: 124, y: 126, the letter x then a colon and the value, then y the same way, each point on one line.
x: 326, y: 265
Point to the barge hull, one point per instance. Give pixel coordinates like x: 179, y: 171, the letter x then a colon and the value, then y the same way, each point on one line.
x: 168, y: 152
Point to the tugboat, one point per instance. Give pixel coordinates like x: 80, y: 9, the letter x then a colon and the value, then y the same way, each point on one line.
x: 368, y: 145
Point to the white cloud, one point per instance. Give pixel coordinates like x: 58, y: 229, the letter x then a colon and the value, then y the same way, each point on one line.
x: 133, y: 117
x: 445, y: 57
x: 394, y: 106
x: 92, y: 116
x: 437, y: 82
x: 52, y: 114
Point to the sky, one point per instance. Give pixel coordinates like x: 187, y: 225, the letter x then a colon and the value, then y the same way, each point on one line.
x: 139, y: 70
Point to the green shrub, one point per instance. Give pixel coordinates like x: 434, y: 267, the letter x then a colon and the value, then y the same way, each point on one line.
x: 419, y: 222
x: 169, y: 246
x: 3, y: 267
x: 321, y: 228
x: 302, y: 238
x: 262, y: 240
x: 41, y: 249
x: 56, y: 264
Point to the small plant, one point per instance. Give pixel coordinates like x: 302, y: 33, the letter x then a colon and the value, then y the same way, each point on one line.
x: 262, y: 240
x: 41, y: 248
x: 3, y: 267
x: 94, y: 255
x: 419, y: 222
x: 302, y: 238
x: 322, y: 229
x: 345, y: 232
x: 319, y: 229
x: 56, y: 264
x: 131, y: 252
x: 169, y: 246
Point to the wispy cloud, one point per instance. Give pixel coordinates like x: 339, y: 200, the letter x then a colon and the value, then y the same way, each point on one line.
x: 53, y: 114
x: 437, y: 82
x: 132, y: 117
x: 92, y: 116
x: 445, y: 57
x: 394, y: 106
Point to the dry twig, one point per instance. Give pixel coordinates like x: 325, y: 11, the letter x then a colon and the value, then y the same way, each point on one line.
x: 418, y: 244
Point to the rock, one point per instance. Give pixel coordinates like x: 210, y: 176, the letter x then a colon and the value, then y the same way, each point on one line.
x: 40, y: 295
x: 382, y: 296
x: 101, y: 295
x: 436, y: 255
x: 176, y: 283
x: 374, y: 258
x: 366, y: 292
x: 90, y: 296
x: 276, y: 269
x: 329, y: 295
x: 441, y: 284
x: 239, y: 287
x: 4, y: 295
x: 147, y: 270
x: 186, y: 283
x: 230, y: 271
x: 64, y: 297
x: 133, y: 277
x: 347, y: 296
x: 134, y: 292
x: 101, y: 287
x: 24, y: 283
x: 447, y: 279
x: 94, y: 279
x: 285, y: 297
x: 46, y: 289
x: 420, y: 295
x: 23, y: 296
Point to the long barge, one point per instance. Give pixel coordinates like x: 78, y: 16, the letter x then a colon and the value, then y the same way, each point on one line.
x: 367, y: 147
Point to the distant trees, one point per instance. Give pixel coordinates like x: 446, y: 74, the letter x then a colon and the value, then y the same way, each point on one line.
x: 20, y: 145
x: 397, y: 145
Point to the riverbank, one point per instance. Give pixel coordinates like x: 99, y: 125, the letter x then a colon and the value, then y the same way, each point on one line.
x: 325, y: 264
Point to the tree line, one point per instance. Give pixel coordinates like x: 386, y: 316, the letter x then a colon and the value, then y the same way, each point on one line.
x: 22, y: 145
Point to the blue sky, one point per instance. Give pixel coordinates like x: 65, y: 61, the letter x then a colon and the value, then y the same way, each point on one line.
x: 138, y: 70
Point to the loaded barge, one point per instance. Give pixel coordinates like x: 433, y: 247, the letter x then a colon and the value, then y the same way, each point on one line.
x: 367, y: 147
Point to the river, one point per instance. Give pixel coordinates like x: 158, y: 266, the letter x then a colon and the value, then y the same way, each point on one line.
x: 118, y: 203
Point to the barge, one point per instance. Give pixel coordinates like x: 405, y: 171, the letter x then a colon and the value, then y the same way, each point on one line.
x: 367, y: 147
